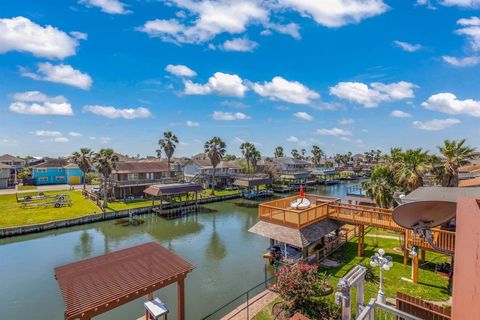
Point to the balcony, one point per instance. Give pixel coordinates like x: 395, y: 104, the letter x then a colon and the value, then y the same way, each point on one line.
x: 143, y: 182
x: 280, y: 212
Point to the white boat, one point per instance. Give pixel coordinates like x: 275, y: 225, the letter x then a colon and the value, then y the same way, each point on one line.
x: 300, y: 203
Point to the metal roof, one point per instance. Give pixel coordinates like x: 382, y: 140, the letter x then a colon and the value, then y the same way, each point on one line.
x: 251, y: 181
x: 300, y: 238
x: 441, y: 194
x: 96, y: 285
x: 172, y: 188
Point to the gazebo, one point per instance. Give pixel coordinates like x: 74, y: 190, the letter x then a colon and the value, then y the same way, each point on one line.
x: 96, y: 285
x: 173, y: 189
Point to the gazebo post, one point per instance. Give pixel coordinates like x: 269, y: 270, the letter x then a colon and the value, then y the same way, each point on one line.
x: 181, y: 299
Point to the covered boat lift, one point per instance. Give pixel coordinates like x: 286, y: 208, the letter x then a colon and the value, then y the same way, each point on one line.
x: 162, y: 191
x: 96, y: 285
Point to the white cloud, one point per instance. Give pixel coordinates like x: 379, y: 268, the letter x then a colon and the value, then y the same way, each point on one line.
x: 448, y: 103
x: 371, y: 96
x: 61, y: 73
x: 114, y: 113
x: 107, y: 6
x: 291, y: 29
x: 462, y: 62
x: 192, y: 124
x: 336, y: 132
x: 223, y: 84
x: 180, y: 70
x: 75, y: 134
x: 229, y: 116
x: 37, y: 103
x: 239, y: 140
x: 471, y: 30
x: 292, y: 139
x: 303, y: 116
x: 462, y: 3
x: 211, y: 18
x: 346, y: 121
x: 400, y: 114
x: 288, y: 91
x: 105, y: 140
x: 46, y: 133
x: 60, y: 139
x: 21, y: 34
x: 79, y: 35
x: 407, y: 46
x: 336, y: 13
x: 239, y: 44
x: 435, y: 124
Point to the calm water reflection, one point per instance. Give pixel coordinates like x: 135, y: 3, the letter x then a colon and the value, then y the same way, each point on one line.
x: 226, y: 256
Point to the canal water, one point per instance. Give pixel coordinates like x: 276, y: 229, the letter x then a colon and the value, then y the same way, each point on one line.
x: 227, y: 258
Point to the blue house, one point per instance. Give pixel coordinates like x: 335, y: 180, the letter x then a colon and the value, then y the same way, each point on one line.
x: 57, y: 171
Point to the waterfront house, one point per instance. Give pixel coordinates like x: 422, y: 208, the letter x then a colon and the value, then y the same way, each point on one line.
x: 4, y: 175
x: 293, y: 169
x: 57, y: 171
x: 131, y: 178
x: 201, y: 171
x: 15, y: 164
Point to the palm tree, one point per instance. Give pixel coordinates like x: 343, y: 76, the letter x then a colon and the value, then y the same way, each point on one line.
x: 278, y: 152
x: 248, y: 149
x: 295, y: 154
x: 317, y: 155
x: 215, y: 150
x: 256, y: 156
x: 105, y: 162
x: 83, y: 160
x: 411, y: 167
x: 454, y: 155
x: 158, y: 151
x: 381, y: 186
x: 168, y: 145
x: 303, y: 151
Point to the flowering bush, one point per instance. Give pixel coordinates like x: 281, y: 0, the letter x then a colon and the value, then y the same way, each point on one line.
x: 296, y: 284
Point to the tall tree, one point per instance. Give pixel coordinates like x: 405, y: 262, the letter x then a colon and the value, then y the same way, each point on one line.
x: 230, y: 157
x: 454, y: 155
x: 168, y: 145
x: 105, y: 162
x: 279, y: 152
x: 83, y: 160
x: 296, y: 154
x: 381, y: 186
x: 303, y: 151
x: 411, y: 167
x: 248, y: 149
x: 317, y: 155
x: 215, y: 150
x: 256, y: 156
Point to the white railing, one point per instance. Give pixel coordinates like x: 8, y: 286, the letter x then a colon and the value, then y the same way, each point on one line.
x: 377, y: 310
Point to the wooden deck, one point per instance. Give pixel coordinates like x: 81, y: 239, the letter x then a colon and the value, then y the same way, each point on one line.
x: 279, y: 212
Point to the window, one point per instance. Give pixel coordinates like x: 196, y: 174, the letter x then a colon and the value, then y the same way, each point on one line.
x: 60, y: 169
x: 43, y: 179
x: 131, y: 176
x: 60, y: 178
x: 150, y: 176
x: 42, y: 170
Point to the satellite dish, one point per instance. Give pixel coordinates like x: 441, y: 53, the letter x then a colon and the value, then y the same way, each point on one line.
x: 424, y: 214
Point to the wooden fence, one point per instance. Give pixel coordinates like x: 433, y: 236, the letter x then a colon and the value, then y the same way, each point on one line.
x: 420, y: 308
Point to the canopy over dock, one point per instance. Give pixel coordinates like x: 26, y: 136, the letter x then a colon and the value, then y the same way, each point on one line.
x: 300, y: 238
x: 158, y: 190
x: 249, y: 182
x: 93, y: 286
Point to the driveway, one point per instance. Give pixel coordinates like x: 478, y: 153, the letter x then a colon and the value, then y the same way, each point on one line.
x: 55, y: 187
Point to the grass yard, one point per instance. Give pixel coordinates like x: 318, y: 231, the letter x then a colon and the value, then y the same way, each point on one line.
x: 11, y: 214
x: 431, y: 286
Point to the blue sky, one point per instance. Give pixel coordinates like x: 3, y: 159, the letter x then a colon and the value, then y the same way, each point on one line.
x: 345, y: 75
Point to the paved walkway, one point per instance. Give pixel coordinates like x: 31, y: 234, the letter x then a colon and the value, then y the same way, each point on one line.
x: 55, y: 187
x: 381, y: 236
x: 256, y: 304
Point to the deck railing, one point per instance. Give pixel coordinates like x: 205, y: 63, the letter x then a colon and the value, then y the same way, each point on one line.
x: 280, y: 212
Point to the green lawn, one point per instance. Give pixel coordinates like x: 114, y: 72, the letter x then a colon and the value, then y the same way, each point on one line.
x: 11, y: 214
x: 431, y: 286
x: 124, y: 205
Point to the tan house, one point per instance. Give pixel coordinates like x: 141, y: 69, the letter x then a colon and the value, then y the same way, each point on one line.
x: 201, y: 171
x: 131, y: 178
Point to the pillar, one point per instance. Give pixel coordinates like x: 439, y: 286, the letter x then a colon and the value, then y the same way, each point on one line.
x: 361, y: 240
x: 405, y: 248
x: 181, y: 299
x: 415, y: 269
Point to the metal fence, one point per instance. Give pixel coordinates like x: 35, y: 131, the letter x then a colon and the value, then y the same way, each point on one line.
x: 242, y: 302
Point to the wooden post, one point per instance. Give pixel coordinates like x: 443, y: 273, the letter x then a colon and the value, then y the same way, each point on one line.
x: 405, y: 256
x: 361, y: 240
x: 181, y: 299
x: 422, y: 256
x: 415, y: 269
